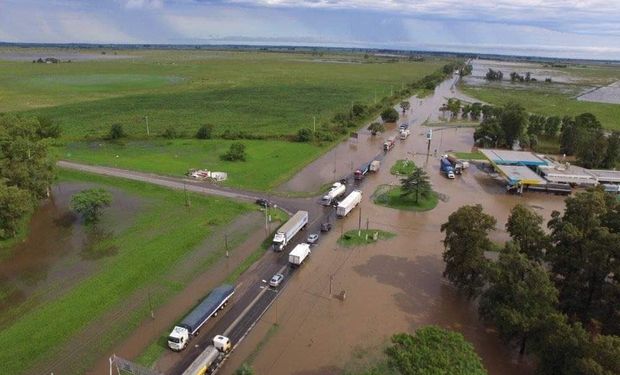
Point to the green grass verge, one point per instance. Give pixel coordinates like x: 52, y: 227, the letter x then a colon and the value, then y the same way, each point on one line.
x: 354, y: 238
x: 469, y: 155
x: 402, y: 167
x: 548, y: 102
x: 268, y: 164
x: 147, y: 250
x: 392, y: 198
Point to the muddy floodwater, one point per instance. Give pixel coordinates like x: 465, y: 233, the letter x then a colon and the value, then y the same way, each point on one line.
x: 605, y: 94
x: 391, y: 286
x: 58, y: 251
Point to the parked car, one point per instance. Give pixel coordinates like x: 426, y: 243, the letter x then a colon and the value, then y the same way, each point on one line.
x: 276, y: 280
x: 403, y: 126
x: 263, y: 202
x: 326, y: 227
x: 313, y: 238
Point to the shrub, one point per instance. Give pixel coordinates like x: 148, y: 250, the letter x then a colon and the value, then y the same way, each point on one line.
x: 389, y: 115
x: 117, y: 132
x: 304, y: 135
x: 236, y: 152
x: 205, y: 131
x: 170, y: 133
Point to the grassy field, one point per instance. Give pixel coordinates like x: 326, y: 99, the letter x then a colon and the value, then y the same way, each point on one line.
x: 541, y: 100
x: 263, y: 93
x: 268, y: 164
x: 402, y: 167
x: 392, y: 198
x: 354, y: 238
x: 469, y: 155
x: 146, y: 251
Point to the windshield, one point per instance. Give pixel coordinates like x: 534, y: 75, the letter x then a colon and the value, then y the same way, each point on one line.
x: 174, y: 339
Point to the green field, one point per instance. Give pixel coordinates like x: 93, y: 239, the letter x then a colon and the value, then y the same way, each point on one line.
x: 262, y: 93
x: 541, y: 100
x: 147, y: 252
x: 269, y: 163
x: 402, y: 167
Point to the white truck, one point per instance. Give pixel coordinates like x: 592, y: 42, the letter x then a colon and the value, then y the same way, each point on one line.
x: 289, y: 230
x: 297, y: 256
x: 337, y: 190
x: 205, y: 362
x: 209, y: 307
x: 404, y: 133
x: 349, y: 203
x: 375, y: 165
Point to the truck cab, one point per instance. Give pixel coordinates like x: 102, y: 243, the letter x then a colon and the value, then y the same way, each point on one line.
x: 279, y: 241
x: 178, y: 339
x: 222, y: 344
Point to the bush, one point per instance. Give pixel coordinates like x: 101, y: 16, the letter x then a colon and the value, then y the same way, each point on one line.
x: 170, y: 133
x: 90, y: 202
x: 304, y: 135
x: 389, y: 115
x: 205, y: 131
x: 117, y: 132
x: 236, y: 152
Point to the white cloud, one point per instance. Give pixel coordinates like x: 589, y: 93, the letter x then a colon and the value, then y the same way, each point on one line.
x: 142, y: 4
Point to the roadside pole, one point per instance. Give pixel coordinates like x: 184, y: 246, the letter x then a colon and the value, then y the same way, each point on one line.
x: 148, y: 131
x: 359, y: 223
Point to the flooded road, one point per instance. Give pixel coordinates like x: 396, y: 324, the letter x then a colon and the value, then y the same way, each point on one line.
x: 58, y: 252
x: 347, y: 156
x: 391, y: 286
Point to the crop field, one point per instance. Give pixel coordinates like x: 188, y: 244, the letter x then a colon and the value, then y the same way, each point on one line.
x: 148, y: 252
x: 262, y: 93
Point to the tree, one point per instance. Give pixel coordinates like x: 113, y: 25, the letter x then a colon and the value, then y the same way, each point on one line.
x: 467, y: 238
x: 613, y: 150
x: 525, y: 228
x: 15, y: 203
x: 520, y: 297
x: 585, y: 258
x: 48, y: 128
x: 433, y: 350
x: 552, y: 125
x: 358, y: 110
x: 205, y: 131
x: 304, y: 135
x: 489, y: 133
x: 376, y: 127
x: 389, y: 115
x: 245, y: 369
x: 405, y: 105
x: 454, y: 106
x: 90, y: 202
x: 236, y: 152
x: 513, y: 121
x: 494, y: 75
x: 475, y: 111
x: 416, y: 183
x: 116, y: 132
x: 591, y: 149
x: 602, y: 356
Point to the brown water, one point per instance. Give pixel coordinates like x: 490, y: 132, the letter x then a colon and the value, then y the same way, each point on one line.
x: 392, y: 286
x: 59, y: 251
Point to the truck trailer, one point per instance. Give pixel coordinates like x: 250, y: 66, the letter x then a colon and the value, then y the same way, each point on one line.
x: 337, y: 190
x: 209, y: 307
x: 208, y: 359
x: 389, y: 143
x: 375, y: 165
x: 297, y: 256
x: 447, y: 168
x: 349, y: 203
x: 289, y: 230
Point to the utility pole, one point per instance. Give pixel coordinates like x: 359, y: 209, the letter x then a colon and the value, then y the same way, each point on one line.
x: 187, y: 202
x: 266, y: 221
x: 314, y: 121
x: 226, y: 243
x: 367, y: 224
x: 375, y: 96
x: 148, y: 131
x: 151, y: 306
x: 359, y: 223
x: 331, y: 279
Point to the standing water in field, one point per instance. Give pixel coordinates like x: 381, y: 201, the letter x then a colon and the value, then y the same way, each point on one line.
x: 59, y: 250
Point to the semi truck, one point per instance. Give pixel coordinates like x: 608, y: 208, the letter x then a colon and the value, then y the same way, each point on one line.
x: 208, y: 359
x: 297, y: 256
x: 289, y: 230
x: 389, y: 143
x: 209, y: 307
x: 349, y: 203
x: 336, y: 190
x: 361, y: 171
x: 456, y: 161
x: 446, y: 167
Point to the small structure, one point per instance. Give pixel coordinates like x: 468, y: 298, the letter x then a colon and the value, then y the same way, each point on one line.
x: 604, y: 176
x: 203, y: 174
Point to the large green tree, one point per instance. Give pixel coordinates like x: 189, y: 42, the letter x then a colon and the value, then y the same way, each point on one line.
x: 520, y: 296
x: 467, y: 238
x: 513, y: 121
x: 416, y: 184
x: 389, y: 115
x: 525, y: 228
x: 586, y: 258
x: 14, y: 204
x: 433, y: 350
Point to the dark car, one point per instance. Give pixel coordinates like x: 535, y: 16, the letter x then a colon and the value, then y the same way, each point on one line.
x: 326, y: 227
x: 263, y: 202
x: 404, y: 126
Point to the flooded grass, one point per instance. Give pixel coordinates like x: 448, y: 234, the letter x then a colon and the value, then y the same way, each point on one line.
x: 355, y: 238
x: 469, y: 155
x: 162, y: 233
x: 390, y: 196
x: 402, y: 167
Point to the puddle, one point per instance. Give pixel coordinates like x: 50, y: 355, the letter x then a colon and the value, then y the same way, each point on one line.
x: 59, y: 250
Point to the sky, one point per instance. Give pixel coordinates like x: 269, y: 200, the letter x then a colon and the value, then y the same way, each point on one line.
x: 554, y: 28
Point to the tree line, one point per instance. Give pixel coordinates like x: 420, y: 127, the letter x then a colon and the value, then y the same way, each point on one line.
x: 557, y: 294
x: 26, y: 168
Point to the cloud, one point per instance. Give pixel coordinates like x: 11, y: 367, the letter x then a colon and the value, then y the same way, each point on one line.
x: 142, y: 4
